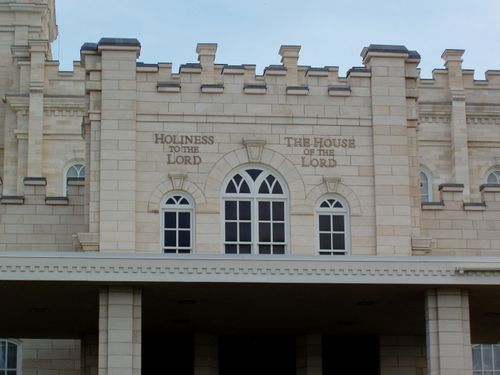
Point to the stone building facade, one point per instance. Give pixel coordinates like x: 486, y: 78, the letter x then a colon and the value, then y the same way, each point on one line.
x: 218, y: 221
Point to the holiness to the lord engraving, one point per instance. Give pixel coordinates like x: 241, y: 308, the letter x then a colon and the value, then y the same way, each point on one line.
x: 319, y: 151
x: 183, y: 148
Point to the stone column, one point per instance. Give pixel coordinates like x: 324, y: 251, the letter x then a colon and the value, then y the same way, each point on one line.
x: 391, y: 150
x: 118, y: 144
x: 448, y: 332
x: 206, y: 357
x: 459, y: 138
x: 120, y: 314
x: 309, y: 355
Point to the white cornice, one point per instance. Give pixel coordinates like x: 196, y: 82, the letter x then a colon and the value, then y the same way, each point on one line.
x: 154, y: 268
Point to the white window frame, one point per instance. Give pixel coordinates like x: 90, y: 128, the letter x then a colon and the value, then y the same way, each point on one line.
x: 482, y: 370
x: 428, y: 176
x: 254, y: 197
x: 177, y: 209
x: 345, y: 211
x: 66, y: 170
x: 493, y: 171
x: 19, y: 359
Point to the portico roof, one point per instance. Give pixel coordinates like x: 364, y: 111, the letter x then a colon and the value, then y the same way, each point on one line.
x: 157, y: 268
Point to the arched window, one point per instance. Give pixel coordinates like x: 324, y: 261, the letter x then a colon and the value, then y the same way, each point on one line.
x: 177, y: 224
x: 10, y: 357
x: 255, y: 213
x: 333, y: 226
x: 493, y: 177
x: 425, y: 186
x: 74, y: 172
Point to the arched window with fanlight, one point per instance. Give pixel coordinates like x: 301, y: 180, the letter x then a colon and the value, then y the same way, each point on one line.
x: 255, y: 202
x: 493, y: 177
x: 177, y: 224
x: 333, y: 226
x: 425, y: 186
x: 10, y: 357
x: 74, y: 172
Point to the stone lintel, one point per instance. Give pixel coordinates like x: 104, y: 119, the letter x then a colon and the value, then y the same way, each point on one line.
x: 168, y: 87
x: 212, y: 88
x: 35, y: 181
x: 336, y: 90
x: 57, y: 201
x: 254, y: 89
x: 358, y: 71
x: 474, y: 206
x: 254, y: 149
x: 297, y: 90
x: 275, y: 70
x: 451, y: 187
x: 490, y: 188
x: 433, y: 205
x: 12, y: 199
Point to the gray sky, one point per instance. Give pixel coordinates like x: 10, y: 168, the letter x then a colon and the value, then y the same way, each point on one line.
x: 331, y: 32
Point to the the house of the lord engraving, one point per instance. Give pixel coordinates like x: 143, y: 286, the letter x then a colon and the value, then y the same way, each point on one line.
x: 213, y: 220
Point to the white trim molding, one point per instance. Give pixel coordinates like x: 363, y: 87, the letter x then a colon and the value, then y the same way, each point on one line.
x: 154, y: 268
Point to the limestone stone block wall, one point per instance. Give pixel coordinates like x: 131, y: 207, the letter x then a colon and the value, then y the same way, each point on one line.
x: 48, y: 356
x: 403, y: 355
x: 458, y: 147
x: 35, y: 222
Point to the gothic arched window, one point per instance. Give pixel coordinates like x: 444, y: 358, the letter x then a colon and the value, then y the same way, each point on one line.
x: 177, y: 224
x: 255, y: 212
x: 333, y: 226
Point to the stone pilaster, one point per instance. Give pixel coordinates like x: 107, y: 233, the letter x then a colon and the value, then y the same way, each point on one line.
x: 309, y: 355
x: 120, y: 314
x: 448, y: 332
x: 118, y: 144
x: 206, y: 57
x: 289, y: 59
x: 391, y: 152
x: 206, y: 361
x: 459, y: 137
x: 38, y: 51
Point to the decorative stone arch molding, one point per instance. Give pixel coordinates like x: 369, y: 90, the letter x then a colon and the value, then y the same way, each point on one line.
x: 332, y: 185
x: 175, y: 182
x: 253, y: 152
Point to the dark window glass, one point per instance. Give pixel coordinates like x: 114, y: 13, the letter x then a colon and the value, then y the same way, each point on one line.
x: 338, y: 205
x: 230, y: 210
x: 325, y: 241
x: 167, y: 251
x: 170, y: 238
x: 245, y: 213
x: 264, y: 232
x: 184, y: 202
x: 263, y: 188
x: 277, y: 188
x: 184, y: 238
x: 338, y: 223
x: 2, y: 354
x: 279, y: 211
x: 245, y: 249
x: 338, y: 242
x: 12, y: 372
x: 231, y: 249
x: 231, y: 232
x: 254, y: 173
x: 279, y: 249
x: 184, y: 251
x: 264, y: 211
x: 184, y: 220
x: 279, y: 232
x: 231, y: 188
x: 237, y: 179
x: 324, y: 223
x: 12, y: 356
x: 325, y: 204
x: 244, y: 188
x: 270, y: 179
x: 264, y: 249
x: 170, y: 220
x: 170, y: 201
x: 245, y: 232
